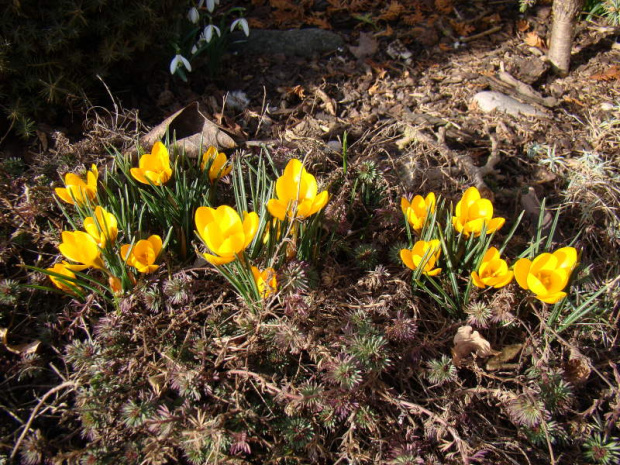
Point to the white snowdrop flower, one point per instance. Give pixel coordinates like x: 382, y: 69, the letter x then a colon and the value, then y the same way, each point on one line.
x: 194, y: 49
x: 179, y: 60
x: 207, y: 34
x: 211, y: 5
x: 193, y: 15
x: 243, y: 23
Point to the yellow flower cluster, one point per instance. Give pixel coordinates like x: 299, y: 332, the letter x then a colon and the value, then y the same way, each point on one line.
x: 227, y: 235
x: 546, y: 276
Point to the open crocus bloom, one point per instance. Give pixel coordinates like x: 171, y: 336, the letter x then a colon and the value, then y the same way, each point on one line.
x: 154, y: 168
x: 103, y: 227
x: 224, y: 233
x: 65, y: 269
x: 473, y: 214
x: 78, y: 191
x: 81, y: 247
x: 548, y: 274
x: 417, y: 210
x: 143, y: 254
x: 296, y: 192
x: 265, y: 281
x: 421, y: 250
x: 217, y: 161
x: 493, y: 271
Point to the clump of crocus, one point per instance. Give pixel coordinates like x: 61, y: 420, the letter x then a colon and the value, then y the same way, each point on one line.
x: 418, y: 209
x: 216, y: 162
x: 143, y: 254
x: 474, y: 214
x: 76, y: 191
x: 154, y: 168
x: 548, y: 274
x: 81, y: 247
x: 423, y: 251
x: 67, y: 270
x: 103, y: 226
x: 296, y: 192
x: 224, y: 233
x: 493, y: 271
x: 265, y: 280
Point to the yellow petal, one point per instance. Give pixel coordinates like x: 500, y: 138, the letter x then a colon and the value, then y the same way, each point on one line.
x: 202, y: 217
x: 567, y: 257
x: 405, y: 256
x: 521, y: 271
x: 503, y: 281
x: 250, y: 227
x: 495, y: 224
x: 138, y: 175
x: 434, y: 272
x: 215, y: 260
x: 156, y: 244
x: 552, y: 298
x: 64, y: 195
x: 477, y: 281
x: 277, y: 208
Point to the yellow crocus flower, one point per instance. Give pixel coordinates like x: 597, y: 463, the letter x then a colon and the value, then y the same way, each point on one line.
x: 548, y: 274
x: 103, y: 227
x: 296, y: 192
x: 65, y: 269
x: 143, y: 254
x: 218, y: 168
x: 81, y: 247
x: 224, y: 233
x: 265, y: 281
x: 418, y: 209
x: 78, y: 191
x: 493, y: 271
x: 413, y: 258
x: 474, y: 213
x: 154, y: 168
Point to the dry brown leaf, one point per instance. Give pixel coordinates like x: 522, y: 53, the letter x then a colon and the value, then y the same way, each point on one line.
x: 577, y: 369
x: 444, y: 6
x: 611, y: 73
x: 462, y: 29
x: 534, y: 40
x: 298, y: 90
x: 256, y: 23
x: 389, y: 32
x: 367, y: 46
x: 498, y: 362
x: 416, y: 18
x: 319, y: 21
x: 392, y: 12
x: 192, y: 130
x: 522, y: 25
x: 20, y: 349
x: 468, y: 342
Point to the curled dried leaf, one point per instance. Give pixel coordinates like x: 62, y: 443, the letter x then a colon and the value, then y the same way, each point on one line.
x: 28, y: 348
x: 468, y: 342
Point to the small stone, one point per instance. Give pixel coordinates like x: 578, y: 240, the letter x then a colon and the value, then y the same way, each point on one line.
x: 489, y: 101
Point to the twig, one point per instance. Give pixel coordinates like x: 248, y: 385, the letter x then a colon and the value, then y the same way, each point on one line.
x: 475, y: 173
x: 481, y: 34
x: 52, y: 391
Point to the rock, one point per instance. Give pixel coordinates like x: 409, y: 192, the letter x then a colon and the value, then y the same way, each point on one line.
x: 294, y: 42
x: 489, y: 101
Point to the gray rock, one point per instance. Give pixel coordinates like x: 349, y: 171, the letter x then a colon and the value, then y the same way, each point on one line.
x: 489, y: 101
x: 294, y: 42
